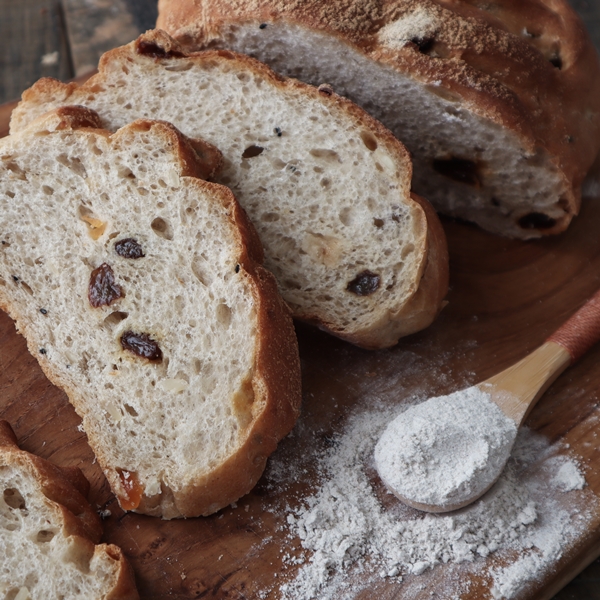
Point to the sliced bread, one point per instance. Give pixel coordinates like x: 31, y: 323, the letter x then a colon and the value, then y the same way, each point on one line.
x: 49, y: 532
x: 498, y: 102
x: 139, y: 290
x: 327, y: 187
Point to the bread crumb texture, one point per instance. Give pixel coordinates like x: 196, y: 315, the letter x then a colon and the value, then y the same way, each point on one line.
x: 134, y: 286
x: 45, y: 548
x: 326, y: 186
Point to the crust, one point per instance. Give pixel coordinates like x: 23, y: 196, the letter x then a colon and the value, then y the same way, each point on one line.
x: 495, y: 56
x: 61, y: 487
x: 276, y: 379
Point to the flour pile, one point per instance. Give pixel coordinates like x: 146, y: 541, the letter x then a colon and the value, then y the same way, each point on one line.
x: 446, y: 451
x: 354, y: 533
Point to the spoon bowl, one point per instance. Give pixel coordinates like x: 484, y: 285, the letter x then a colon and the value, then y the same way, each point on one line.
x: 446, y: 452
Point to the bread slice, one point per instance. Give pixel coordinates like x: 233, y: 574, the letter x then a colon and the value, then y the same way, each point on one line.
x: 498, y: 102
x: 327, y: 187
x: 49, y: 532
x: 139, y: 289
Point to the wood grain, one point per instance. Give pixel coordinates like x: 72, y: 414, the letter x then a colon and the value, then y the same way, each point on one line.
x: 506, y: 298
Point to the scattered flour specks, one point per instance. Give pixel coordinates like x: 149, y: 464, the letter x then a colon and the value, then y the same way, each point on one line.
x: 355, y: 535
x: 569, y: 477
x: 416, y: 25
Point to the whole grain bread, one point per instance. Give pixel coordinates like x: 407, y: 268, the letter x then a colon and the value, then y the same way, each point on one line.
x: 49, y: 533
x: 327, y: 187
x: 139, y: 289
x: 498, y: 102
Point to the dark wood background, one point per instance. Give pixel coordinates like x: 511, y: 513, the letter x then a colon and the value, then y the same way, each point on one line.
x: 64, y: 39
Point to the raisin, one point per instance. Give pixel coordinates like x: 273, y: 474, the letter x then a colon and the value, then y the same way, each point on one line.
x: 459, y: 169
x: 103, y: 289
x: 536, y: 220
x: 155, y: 51
x: 142, y: 345
x: 364, y: 284
x: 129, y: 248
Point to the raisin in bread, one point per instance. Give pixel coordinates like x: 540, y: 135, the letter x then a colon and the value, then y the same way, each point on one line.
x: 498, y: 102
x: 139, y: 289
x: 49, y: 532
x: 327, y: 187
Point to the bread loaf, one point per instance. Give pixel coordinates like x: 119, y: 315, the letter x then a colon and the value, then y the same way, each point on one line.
x: 139, y: 289
x: 498, y: 102
x: 49, y: 532
x: 327, y: 187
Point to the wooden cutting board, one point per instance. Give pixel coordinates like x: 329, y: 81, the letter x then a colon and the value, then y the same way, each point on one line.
x: 506, y: 297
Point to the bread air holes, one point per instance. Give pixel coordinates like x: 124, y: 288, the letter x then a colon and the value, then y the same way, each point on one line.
x: 14, y: 499
x: 162, y: 228
x: 114, y: 319
x: 459, y: 169
x: 201, y: 269
x: 125, y: 173
x: 327, y: 155
x: 369, y: 140
x: 44, y: 536
x: 130, y: 410
x: 346, y: 215
x: 74, y: 164
x: 16, y: 170
x: 223, y: 314
x: 270, y: 217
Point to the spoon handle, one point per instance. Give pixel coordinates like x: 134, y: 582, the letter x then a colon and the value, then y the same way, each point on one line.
x: 579, y: 333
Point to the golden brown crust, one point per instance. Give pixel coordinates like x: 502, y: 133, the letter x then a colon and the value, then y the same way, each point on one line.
x: 197, y: 157
x: 61, y: 485
x: 527, y: 65
x: 77, y: 516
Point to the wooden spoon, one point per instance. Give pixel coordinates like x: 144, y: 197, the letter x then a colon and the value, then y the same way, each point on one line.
x: 427, y: 485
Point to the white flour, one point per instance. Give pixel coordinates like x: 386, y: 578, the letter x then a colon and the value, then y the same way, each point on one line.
x: 446, y: 451
x: 354, y: 534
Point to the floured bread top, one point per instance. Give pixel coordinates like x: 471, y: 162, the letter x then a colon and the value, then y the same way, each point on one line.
x: 498, y: 102
x: 138, y: 289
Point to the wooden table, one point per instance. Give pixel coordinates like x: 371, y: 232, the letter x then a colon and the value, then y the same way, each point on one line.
x: 506, y: 297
